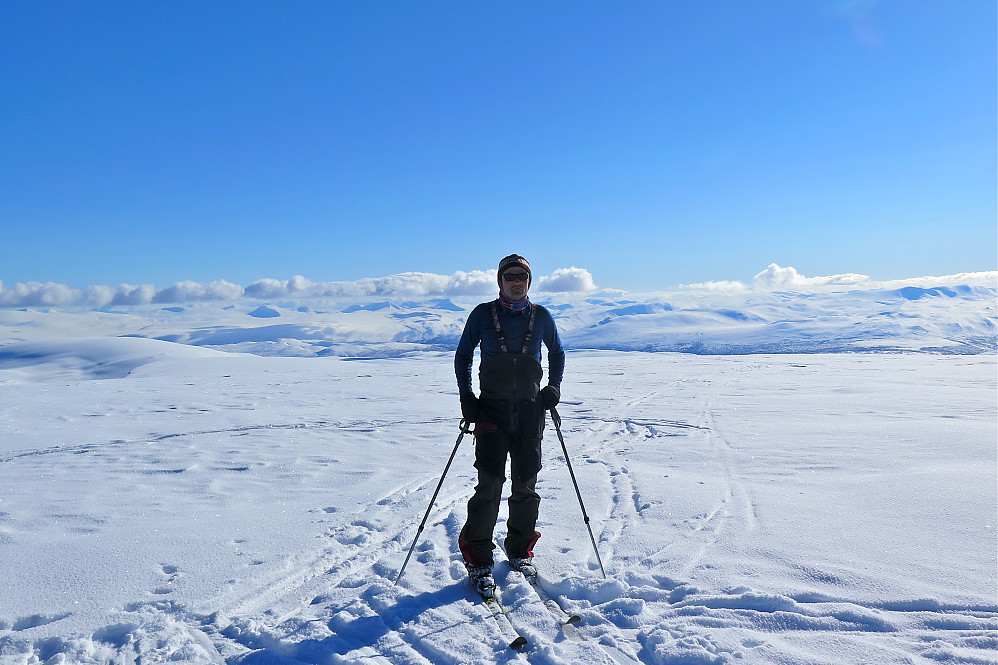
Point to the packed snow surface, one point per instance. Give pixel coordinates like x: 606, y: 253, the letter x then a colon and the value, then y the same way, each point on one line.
x: 202, y: 484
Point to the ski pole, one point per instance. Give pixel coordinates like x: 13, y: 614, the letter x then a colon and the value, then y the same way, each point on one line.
x: 557, y: 427
x: 465, y: 429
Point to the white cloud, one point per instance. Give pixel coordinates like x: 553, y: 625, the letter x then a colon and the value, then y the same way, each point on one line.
x: 775, y: 278
x: 97, y: 296
x: 36, y: 294
x: 567, y: 280
x: 267, y: 288
x: 720, y: 286
x: 985, y: 278
x: 197, y: 291
x: 474, y: 283
x: 411, y: 285
x: 415, y: 285
x: 778, y: 278
x: 422, y: 284
x: 133, y: 295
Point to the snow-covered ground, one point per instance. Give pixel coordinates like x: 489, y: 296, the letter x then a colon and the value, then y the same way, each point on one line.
x: 213, y: 483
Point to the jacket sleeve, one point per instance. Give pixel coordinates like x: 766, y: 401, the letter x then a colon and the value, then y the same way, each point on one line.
x: 556, y: 353
x: 465, y: 354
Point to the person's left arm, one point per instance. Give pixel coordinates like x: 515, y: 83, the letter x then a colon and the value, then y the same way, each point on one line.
x: 551, y: 394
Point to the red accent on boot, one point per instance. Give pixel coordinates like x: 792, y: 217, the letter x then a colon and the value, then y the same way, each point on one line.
x: 469, y: 558
x: 530, y: 545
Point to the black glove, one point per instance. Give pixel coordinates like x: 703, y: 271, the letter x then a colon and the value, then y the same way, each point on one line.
x: 469, y: 407
x: 550, y: 396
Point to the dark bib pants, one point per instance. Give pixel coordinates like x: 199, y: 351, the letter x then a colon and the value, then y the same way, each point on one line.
x: 510, y: 424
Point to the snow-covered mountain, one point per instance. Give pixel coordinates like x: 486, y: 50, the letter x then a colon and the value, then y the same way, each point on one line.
x: 946, y: 319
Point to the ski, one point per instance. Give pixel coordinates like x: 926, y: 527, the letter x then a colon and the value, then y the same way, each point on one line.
x: 561, y: 610
x: 514, y: 637
x: 558, y: 607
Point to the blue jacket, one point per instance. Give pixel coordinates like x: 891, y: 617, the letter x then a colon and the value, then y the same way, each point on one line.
x: 480, y: 330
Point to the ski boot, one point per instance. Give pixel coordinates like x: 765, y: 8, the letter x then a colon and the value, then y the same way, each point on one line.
x: 481, y: 578
x: 525, y: 566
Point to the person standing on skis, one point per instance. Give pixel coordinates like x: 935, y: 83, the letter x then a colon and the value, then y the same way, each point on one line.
x: 508, y: 416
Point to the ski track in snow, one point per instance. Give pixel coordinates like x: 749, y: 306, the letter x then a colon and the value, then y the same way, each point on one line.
x: 673, y: 506
x: 82, y: 449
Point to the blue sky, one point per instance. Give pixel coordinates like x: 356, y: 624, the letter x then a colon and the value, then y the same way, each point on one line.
x: 652, y: 143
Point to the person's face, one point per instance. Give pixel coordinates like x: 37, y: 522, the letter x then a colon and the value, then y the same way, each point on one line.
x: 515, y: 283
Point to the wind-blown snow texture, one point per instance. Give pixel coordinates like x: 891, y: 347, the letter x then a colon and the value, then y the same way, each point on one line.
x: 206, y: 506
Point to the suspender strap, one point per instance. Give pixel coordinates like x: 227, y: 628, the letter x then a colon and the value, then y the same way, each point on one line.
x: 530, y: 329
x: 499, y: 333
x: 502, y: 336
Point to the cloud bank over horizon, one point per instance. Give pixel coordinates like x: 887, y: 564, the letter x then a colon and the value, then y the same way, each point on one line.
x: 423, y: 284
x: 408, y: 285
x: 778, y: 278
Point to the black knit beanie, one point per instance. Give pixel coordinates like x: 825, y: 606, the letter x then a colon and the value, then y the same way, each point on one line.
x: 513, y: 260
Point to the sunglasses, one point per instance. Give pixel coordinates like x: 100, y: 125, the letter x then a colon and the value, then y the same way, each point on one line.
x: 516, y: 276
